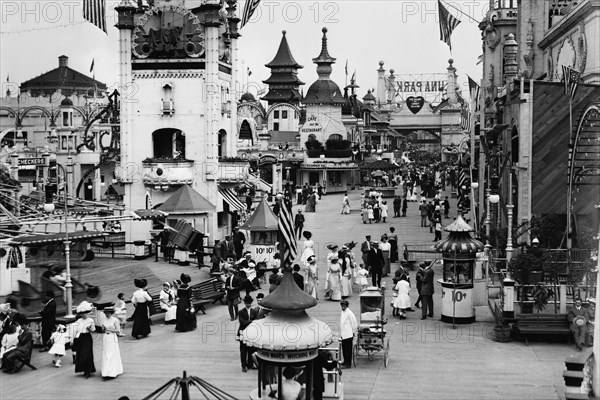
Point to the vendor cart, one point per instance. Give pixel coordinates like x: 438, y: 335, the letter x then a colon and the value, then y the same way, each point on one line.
x: 371, y: 332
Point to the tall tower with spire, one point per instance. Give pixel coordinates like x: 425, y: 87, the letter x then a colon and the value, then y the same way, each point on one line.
x: 283, y: 83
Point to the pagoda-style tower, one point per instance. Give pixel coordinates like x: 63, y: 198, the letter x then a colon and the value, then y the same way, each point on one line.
x: 283, y: 82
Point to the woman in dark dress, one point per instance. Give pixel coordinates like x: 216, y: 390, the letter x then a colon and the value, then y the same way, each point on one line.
x: 83, y: 344
x: 141, y: 316
x: 186, y: 316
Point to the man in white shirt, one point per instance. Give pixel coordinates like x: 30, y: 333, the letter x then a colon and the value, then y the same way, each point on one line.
x: 348, y: 326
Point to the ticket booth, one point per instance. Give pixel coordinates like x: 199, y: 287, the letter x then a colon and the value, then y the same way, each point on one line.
x: 262, y: 229
x: 459, y: 251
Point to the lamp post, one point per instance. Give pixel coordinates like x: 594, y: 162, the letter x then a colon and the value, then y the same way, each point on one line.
x: 49, y: 207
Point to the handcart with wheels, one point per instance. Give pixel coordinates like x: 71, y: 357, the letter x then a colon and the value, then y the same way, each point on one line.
x: 371, y: 332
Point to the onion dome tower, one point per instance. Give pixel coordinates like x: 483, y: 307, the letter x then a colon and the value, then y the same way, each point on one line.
x: 283, y: 82
x: 459, y: 251
x: 288, y: 336
x: 324, y: 90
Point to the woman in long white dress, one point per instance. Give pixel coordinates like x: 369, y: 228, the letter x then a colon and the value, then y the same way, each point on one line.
x: 111, y: 355
x: 402, y: 301
x: 312, y: 277
x: 168, y: 303
x: 346, y: 275
x: 309, y: 250
x: 334, y: 279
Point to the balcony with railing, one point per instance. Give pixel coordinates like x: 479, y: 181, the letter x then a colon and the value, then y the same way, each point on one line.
x: 166, y: 172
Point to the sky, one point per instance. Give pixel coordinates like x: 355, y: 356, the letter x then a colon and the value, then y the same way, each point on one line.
x: 403, y: 34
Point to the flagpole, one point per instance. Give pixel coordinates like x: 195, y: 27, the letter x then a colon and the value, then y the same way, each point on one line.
x: 570, y: 188
x: 463, y: 13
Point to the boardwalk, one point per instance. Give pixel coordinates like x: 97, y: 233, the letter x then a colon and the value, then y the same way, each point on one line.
x: 428, y: 359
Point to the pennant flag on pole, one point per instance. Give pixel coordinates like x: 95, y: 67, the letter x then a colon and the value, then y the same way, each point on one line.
x: 92, y: 66
x: 353, y: 79
x: 288, y: 239
x: 249, y: 8
x: 249, y: 72
x: 479, y: 59
x: 94, y: 11
x: 571, y: 79
x: 346, y: 67
x: 447, y: 24
x: 474, y: 92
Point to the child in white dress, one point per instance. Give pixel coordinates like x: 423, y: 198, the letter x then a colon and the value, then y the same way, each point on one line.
x: 121, y: 310
x: 361, y: 277
x: 9, y: 340
x: 59, y: 339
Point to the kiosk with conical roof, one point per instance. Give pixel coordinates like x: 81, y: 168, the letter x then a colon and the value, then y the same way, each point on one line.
x: 458, y: 254
x: 262, y: 227
x: 287, y: 338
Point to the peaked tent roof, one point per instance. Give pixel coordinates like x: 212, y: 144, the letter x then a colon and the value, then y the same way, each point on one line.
x: 263, y: 219
x: 284, y: 57
x: 186, y: 201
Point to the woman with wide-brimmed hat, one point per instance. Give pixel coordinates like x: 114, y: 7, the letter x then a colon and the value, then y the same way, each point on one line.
x: 111, y: 355
x: 83, y: 344
x: 334, y: 287
x: 186, y: 315
x: 141, y: 316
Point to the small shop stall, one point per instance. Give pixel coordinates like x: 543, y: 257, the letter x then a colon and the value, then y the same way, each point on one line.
x: 459, y: 251
x: 288, y: 339
x: 262, y: 236
x: 378, y: 174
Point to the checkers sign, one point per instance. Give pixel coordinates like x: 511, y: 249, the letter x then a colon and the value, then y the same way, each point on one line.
x: 40, y: 161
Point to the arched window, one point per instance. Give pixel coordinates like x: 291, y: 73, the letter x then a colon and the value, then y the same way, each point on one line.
x: 222, y: 143
x: 335, y: 137
x: 168, y: 143
x: 245, y: 130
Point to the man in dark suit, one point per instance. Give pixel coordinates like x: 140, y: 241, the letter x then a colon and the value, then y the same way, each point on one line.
x: 246, y: 316
x: 48, y: 314
x: 376, y: 262
x: 419, y: 276
x: 238, y: 242
x: 261, y: 312
x: 232, y: 293
x: 427, y: 291
x: 299, y: 224
x: 299, y: 279
x: 365, y: 248
x: 579, y: 330
x: 10, y: 360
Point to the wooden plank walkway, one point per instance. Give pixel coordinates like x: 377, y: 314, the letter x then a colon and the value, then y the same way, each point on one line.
x: 428, y: 359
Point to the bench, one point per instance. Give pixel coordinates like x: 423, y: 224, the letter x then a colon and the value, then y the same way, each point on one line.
x: 209, y: 291
x: 545, y: 324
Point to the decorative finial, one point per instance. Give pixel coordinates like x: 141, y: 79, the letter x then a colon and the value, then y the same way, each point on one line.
x: 284, y: 32
x: 392, y: 71
x: 381, y: 63
x: 450, y: 61
x: 324, y: 30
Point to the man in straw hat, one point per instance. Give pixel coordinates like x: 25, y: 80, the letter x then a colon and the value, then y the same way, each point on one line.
x: 579, y: 317
x: 246, y: 316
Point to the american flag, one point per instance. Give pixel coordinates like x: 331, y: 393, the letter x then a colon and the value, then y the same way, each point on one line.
x: 465, y: 118
x: 463, y: 180
x: 95, y: 12
x: 474, y: 91
x: 447, y: 24
x: 249, y: 8
x: 571, y: 79
x: 287, y: 239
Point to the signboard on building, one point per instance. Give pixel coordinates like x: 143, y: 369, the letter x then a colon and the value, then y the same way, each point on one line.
x: 311, y: 126
x: 31, y: 163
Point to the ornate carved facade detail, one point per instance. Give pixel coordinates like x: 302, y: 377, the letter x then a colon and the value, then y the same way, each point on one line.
x: 528, y: 54
x: 491, y: 36
x: 582, y: 49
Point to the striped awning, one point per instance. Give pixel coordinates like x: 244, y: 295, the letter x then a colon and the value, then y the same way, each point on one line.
x: 230, y: 198
x: 56, y: 237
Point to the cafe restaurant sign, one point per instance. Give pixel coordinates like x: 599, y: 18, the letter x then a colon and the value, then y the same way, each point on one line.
x: 311, y: 126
